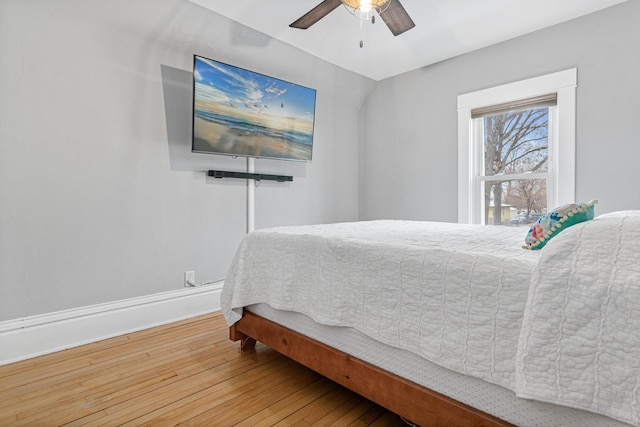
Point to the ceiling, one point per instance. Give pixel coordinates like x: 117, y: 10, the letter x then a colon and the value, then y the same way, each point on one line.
x: 444, y: 29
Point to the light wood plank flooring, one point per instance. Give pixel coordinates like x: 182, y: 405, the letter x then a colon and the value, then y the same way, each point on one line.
x: 185, y: 373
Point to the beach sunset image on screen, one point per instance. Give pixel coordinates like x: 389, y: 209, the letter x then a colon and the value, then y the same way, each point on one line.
x: 243, y: 113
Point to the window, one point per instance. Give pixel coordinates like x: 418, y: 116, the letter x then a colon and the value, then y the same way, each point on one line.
x: 513, y: 169
x: 516, y: 150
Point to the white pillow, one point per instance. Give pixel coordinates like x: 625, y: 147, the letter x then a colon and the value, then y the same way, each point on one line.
x: 619, y: 214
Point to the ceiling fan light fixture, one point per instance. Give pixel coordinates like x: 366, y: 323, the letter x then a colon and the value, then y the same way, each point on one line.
x: 392, y: 13
x: 366, y: 9
x: 365, y: 6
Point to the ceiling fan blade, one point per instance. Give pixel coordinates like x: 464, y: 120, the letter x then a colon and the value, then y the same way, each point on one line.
x: 397, y: 18
x: 315, y: 14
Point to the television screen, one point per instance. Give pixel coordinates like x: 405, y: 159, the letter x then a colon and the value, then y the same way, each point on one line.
x: 242, y: 113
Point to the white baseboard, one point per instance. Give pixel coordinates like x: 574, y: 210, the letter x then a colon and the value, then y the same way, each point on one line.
x: 37, y: 335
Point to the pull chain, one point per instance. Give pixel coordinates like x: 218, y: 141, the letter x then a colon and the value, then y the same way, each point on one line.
x: 373, y: 21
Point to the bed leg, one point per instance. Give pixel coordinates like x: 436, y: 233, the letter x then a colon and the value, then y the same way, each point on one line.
x: 246, y: 342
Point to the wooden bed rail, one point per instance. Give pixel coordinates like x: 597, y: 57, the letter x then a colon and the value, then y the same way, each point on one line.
x: 411, y: 401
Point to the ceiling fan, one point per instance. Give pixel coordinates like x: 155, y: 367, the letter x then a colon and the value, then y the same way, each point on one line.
x: 391, y: 11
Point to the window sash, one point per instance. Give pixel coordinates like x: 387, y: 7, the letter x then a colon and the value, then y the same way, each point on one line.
x: 477, y: 142
x: 480, y: 179
x: 481, y: 190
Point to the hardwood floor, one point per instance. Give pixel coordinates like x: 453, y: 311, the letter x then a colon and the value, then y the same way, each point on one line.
x: 185, y: 373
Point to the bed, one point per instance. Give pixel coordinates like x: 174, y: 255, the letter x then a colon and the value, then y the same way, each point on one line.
x: 453, y: 324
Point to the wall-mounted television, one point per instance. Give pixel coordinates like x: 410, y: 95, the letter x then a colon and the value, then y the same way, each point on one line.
x: 238, y: 112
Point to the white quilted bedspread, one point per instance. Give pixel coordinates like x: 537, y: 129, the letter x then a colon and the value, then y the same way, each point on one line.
x: 452, y: 293
x: 580, y: 341
x: 560, y: 325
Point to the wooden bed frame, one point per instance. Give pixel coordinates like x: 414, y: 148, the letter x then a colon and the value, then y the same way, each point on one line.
x: 409, y: 400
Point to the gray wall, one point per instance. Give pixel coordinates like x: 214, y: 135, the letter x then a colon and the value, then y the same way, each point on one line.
x: 100, y: 196
x: 408, y: 152
x: 101, y: 199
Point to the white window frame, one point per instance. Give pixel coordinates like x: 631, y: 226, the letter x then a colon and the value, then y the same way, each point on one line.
x: 562, y: 159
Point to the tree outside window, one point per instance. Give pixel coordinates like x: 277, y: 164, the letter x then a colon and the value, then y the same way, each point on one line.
x: 515, y: 143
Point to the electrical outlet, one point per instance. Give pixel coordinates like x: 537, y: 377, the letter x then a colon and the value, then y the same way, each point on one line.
x: 189, y: 279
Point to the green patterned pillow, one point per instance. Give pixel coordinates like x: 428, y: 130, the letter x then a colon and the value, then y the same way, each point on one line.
x: 557, y: 220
